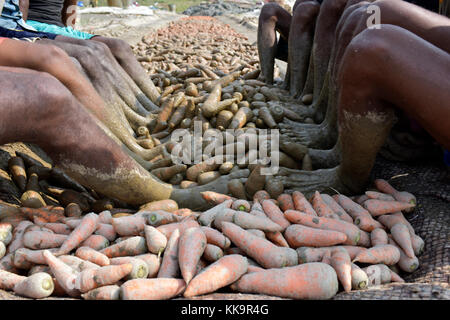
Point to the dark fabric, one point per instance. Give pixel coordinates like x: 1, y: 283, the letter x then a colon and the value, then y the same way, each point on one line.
x: 46, y: 11
x: 432, y: 5
x: 24, y: 34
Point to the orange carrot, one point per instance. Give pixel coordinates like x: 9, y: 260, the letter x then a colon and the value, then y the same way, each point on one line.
x: 277, y: 238
x: 263, y: 251
x: 43, y: 240
x: 2, y: 249
x: 159, y: 217
x: 241, y: 205
x: 361, y: 216
x: 215, y: 198
x: 139, y: 267
x: 93, y: 278
x: 327, y: 257
x: 359, y: 277
x: 258, y: 233
x: 153, y: 263
x: 170, y: 268
x: 105, y: 217
x: 305, y: 281
x: 26, y: 257
x: 96, y: 242
x: 212, y: 253
x: 128, y: 226
x: 37, y: 286
x: 379, y: 207
x: 385, y: 254
x: 63, y: 273
x: 88, y: 225
x: 417, y: 243
x: 17, y: 239
x: 350, y: 230
x: 190, y: 249
x: 156, y: 241
x: 364, y: 240
x: 166, y: 205
x: 216, y: 237
x: 208, y: 216
x: 6, y: 263
x: 379, y: 196
x: 92, y: 255
x: 401, y: 196
x: 220, y: 274
x: 353, y: 251
x: 400, y: 234
x: 129, y: 247
x: 59, y: 228
x: 302, y: 204
x: 45, y: 213
x: 152, y: 289
x: 247, y: 221
x: 107, y: 231
x: 285, y: 202
x: 275, y: 214
x: 111, y: 292
x: 395, y: 277
x: 77, y: 264
x: 303, y: 236
x: 389, y: 220
x: 226, y: 215
x: 321, y: 208
x: 378, y: 237
x: 167, y: 229
x: 340, y: 261
x: 8, y: 280
x: 337, y: 209
x: 261, y: 195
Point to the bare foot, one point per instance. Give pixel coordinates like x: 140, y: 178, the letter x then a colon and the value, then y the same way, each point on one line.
x: 321, y: 136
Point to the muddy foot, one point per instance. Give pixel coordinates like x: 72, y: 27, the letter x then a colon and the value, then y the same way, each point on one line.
x: 324, y: 159
x: 311, y: 135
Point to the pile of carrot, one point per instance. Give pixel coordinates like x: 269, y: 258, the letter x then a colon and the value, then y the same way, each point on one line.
x: 291, y: 247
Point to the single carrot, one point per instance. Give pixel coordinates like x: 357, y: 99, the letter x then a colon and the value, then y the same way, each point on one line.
x: 214, y: 198
x: 386, y: 254
x: 153, y: 263
x: 417, y: 243
x: 389, y: 220
x: 359, y: 278
x: 88, y: 225
x: 401, y: 196
x: 207, y: 217
x: 321, y: 208
x: 156, y: 241
x: 340, y: 261
x: 166, y: 205
x: 105, y: 217
x: 139, y: 270
x: 152, y: 289
x: 43, y: 240
x: 159, y: 217
x: 37, y: 286
x: 77, y: 264
x: 226, y: 215
x: 361, y: 216
x: 111, y: 292
x: 167, y: 229
x: 337, y: 209
x: 241, y: 205
x: 6, y: 263
x: 190, y: 249
x: 96, y: 242
x: 261, y: 195
x: 23, y: 258
x: 170, y: 267
x: 379, y: 207
x: 63, y: 273
x: 400, y: 234
x: 107, y: 231
x: 379, y: 196
x: 9, y: 279
x: 129, y: 247
x: 277, y: 238
x: 17, y: 239
x: 247, y: 221
x: 378, y: 274
x: 353, y: 251
x: 364, y: 240
x: 263, y: 251
x: 305, y: 281
x: 59, y: 228
x: 128, y: 226
x: 93, y: 278
x: 285, y: 201
x: 326, y: 257
x: 302, y: 204
x: 352, y: 232
x: 219, y: 274
x: 302, y: 236
x: 45, y: 213
x: 216, y: 237
x: 360, y: 199
x: 378, y: 237
x: 275, y: 214
x: 405, y: 263
x: 92, y: 255
x: 72, y: 223
x: 212, y: 253
x: 258, y: 233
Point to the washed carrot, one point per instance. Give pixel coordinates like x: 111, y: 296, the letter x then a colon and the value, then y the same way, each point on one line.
x: 129, y: 247
x: 216, y: 237
x: 96, y: 242
x: 152, y: 289
x: 359, y: 278
x: 93, y: 278
x: 275, y: 214
x: 153, y: 263
x: 302, y: 204
x: 379, y: 207
x: 247, y: 221
x: 88, y: 225
x: 241, y: 205
x: 321, y: 208
x: 401, y: 196
x: 212, y: 253
x: 77, y: 264
x: 341, y: 263
x: 261, y: 195
x: 219, y: 274
x: 156, y: 241
x: 207, y: 217
x: 306, y: 281
x: 361, y: 216
x: 302, y: 236
x: 379, y: 196
x: 159, y: 217
x: 337, y: 209
x: 263, y: 251
x: 43, y: 240
x: 63, y: 273
x: 400, y: 234
x: 170, y: 267
x: 92, y: 255
x: 111, y: 292
x: 107, y: 231
x: 417, y: 243
x: 350, y: 230
x: 105, y: 217
x: 59, y: 228
x: 191, y: 246
x: 166, y: 205
x: 17, y: 239
x: 128, y: 226
x: 285, y: 202
x: 214, y: 198
x: 386, y: 254
x: 9, y: 279
x: 139, y: 270
x: 37, y: 286
x: 167, y: 229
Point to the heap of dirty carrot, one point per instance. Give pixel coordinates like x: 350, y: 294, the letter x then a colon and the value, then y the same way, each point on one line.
x: 291, y: 247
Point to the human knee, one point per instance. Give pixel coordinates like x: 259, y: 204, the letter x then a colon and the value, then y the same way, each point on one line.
x: 52, y: 96
x: 118, y: 47
x: 269, y: 11
x: 52, y: 55
x: 305, y: 12
x: 333, y: 6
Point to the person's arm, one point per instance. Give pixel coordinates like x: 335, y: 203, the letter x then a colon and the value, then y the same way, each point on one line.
x: 23, y: 6
x: 69, y: 12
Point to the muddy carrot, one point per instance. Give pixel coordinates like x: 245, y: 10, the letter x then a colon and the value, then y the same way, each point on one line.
x: 385, y: 254
x: 26, y: 256
x: 340, y: 261
x: 337, y: 209
x: 170, y: 267
x: 19, y: 175
x: 417, y: 243
x: 248, y: 221
x: 400, y: 234
x: 8, y: 280
x: 59, y: 228
x: 215, y: 198
x: 277, y: 238
x: 302, y: 236
x: 211, y: 105
x: 212, y: 253
x: 190, y: 249
x: 87, y: 226
x: 378, y: 237
x: 17, y: 239
x: 159, y: 217
x: 285, y: 202
x: 260, y: 195
x: 107, y: 231
x: 219, y: 274
x: 321, y: 208
x: 240, y: 118
x: 111, y: 292
x: 379, y: 207
x: 359, y: 278
x: 130, y: 247
x: 361, y: 217
x: 152, y: 289
x: 379, y: 196
x: 167, y: 229
x: 302, y: 204
x: 139, y: 270
x: 225, y: 215
x: 92, y: 255
x: 401, y: 196
x: 156, y: 241
x: 364, y: 239
x: 208, y: 216
x: 77, y: 264
x: 275, y: 214
x: 96, y: 242
x: 350, y: 230
x: 128, y: 226
x: 105, y: 217
x: 395, y: 277
x: 306, y: 281
x: 241, y: 205
x: 153, y: 263
x: 164, y: 115
x: 93, y: 278
x: 166, y: 205
x: 63, y: 273
x: 216, y: 237
x: 37, y: 286
x: 44, y: 213
x: 258, y: 233
x: 327, y: 257
x: 43, y: 240
x: 389, y: 220
x: 261, y: 250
